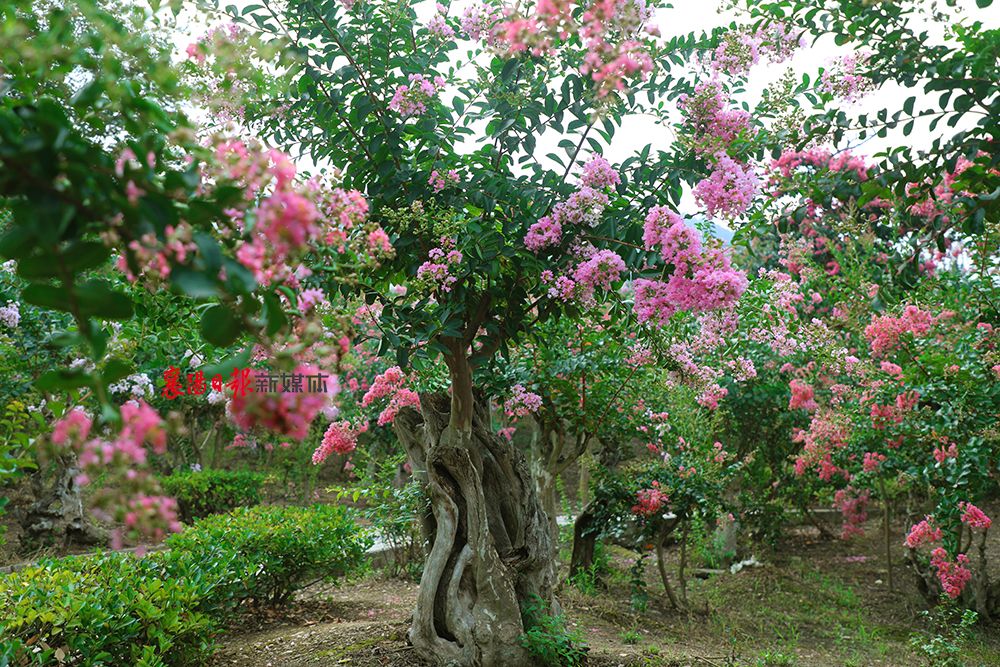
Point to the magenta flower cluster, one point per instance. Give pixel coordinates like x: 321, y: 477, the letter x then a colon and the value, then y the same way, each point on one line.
x: 522, y: 402
x: 412, y: 99
x: 391, y: 385
x: 441, y: 263
x: 583, y: 207
x: 702, y: 279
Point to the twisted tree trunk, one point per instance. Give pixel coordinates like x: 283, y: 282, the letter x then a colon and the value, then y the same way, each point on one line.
x: 489, y: 541
x: 58, y: 514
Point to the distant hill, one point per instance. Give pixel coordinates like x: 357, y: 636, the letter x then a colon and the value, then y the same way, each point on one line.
x: 722, y: 233
x: 714, y: 228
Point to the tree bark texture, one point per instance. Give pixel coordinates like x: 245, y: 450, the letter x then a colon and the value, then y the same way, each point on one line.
x: 489, y: 541
x: 58, y: 514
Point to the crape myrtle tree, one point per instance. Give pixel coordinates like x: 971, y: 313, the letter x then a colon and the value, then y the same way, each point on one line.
x: 441, y: 125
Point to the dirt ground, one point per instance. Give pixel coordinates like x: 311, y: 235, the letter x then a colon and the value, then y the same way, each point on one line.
x: 813, y: 602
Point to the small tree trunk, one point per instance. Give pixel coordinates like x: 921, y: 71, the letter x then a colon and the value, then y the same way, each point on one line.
x: 683, y: 564
x: 986, y: 597
x: 583, y: 488
x: 662, y: 567
x: 887, y: 536
x: 584, y: 542
x: 490, y: 547
x: 545, y: 483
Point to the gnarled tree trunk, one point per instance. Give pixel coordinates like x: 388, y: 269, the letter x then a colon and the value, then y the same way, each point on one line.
x: 58, y: 514
x: 489, y: 543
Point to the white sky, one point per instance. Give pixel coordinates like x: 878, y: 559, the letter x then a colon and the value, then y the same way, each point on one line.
x: 697, y: 15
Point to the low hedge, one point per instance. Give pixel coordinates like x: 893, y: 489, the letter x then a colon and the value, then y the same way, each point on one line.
x: 205, y: 492
x: 281, y: 547
x: 108, y: 609
x: 163, y: 609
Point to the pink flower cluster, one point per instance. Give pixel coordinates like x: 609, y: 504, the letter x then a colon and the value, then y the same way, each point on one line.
x: 480, y: 21
x: 340, y: 438
x: 729, y: 189
x: 924, y: 532
x: 583, y: 207
x: 953, y: 575
x: 440, y: 265
x: 413, y: 98
x: 440, y: 181
x: 651, y: 501
x: 739, y: 50
x: 791, y: 161
x: 154, y: 516
x: 310, y: 298
x: 438, y: 27
x: 843, y: 79
x: 379, y: 244
x: 154, y: 257
x: 289, y: 220
x: 522, y: 402
x: 942, y: 454
x: 939, y: 198
x: 392, y: 385
x: 599, y: 174
x: 543, y: 234
x: 802, y: 396
x: 341, y: 211
x: 853, y: 507
x: 826, y: 434
x: 600, y: 271
x: 702, y: 279
x: 974, y: 517
x: 610, y: 65
x: 130, y: 494
x: 884, y: 331
x: 284, y: 412
x: 872, y: 461
x: 610, y: 30
x: 711, y: 124
x: 211, y: 40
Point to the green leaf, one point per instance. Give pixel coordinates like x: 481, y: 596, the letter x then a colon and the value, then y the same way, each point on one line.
x: 63, y: 379
x: 275, y: 316
x: 95, y: 298
x: 225, y: 368
x: 47, y: 296
x: 220, y: 326
x: 194, y: 283
x: 115, y: 370
x: 17, y: 242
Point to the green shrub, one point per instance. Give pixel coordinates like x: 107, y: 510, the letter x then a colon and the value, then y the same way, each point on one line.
x: 107, y: 609
x: 205, y: 492
x: 163, y: 609
x: 281, y: 548
x: 548, y: 639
